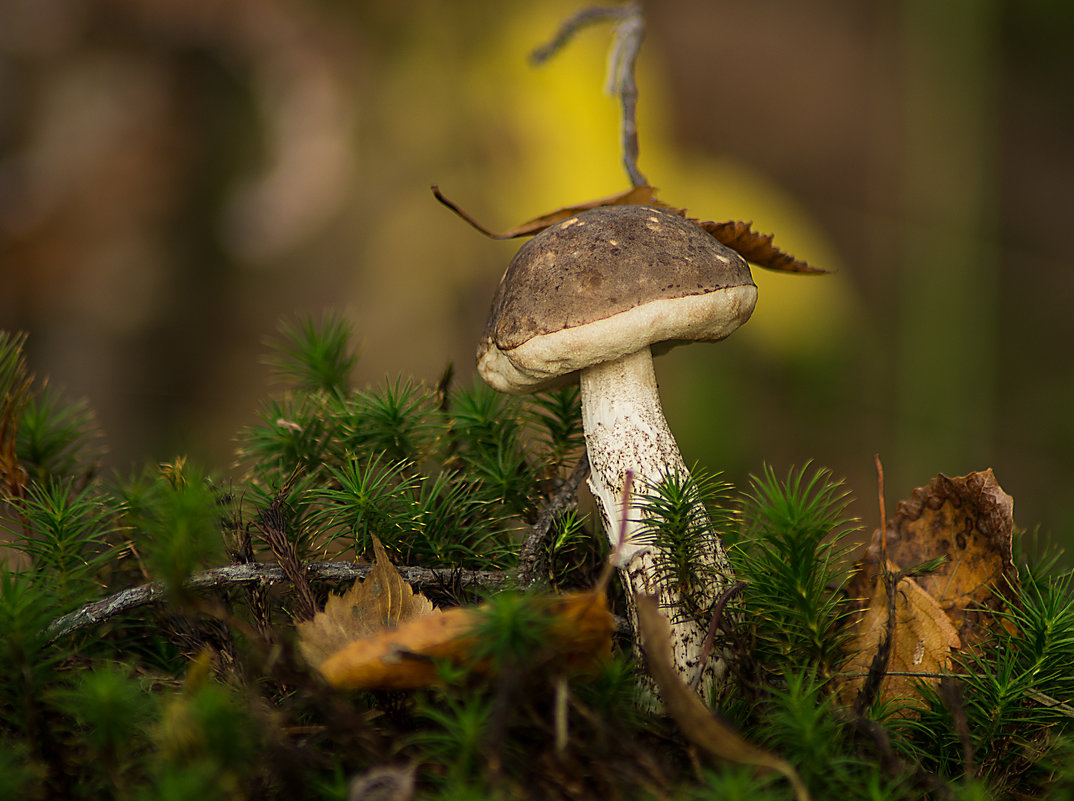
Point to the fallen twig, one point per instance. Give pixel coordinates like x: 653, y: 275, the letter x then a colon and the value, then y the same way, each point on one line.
x: 253, y: 573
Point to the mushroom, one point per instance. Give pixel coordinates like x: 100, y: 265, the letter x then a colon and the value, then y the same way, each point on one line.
x: 590, y: 299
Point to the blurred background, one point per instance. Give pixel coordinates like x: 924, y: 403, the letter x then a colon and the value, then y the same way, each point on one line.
x: 176, y: 176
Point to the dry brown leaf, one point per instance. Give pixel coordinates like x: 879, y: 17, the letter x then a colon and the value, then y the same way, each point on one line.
x: 969, y: 522
x: 753, y: 247
x: 756, y: 248
x: 405, y: 657
x: 635, y: 196
x: 401, y: 658
x: 922, y: 640
x: 697, y: 722
x: 968, y: 519
x: 382, y: 601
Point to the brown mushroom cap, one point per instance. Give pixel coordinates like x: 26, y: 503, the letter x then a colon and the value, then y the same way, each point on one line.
x: 605, y: 283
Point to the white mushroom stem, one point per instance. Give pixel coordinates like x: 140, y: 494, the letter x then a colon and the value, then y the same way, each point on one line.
x: 626, y: 434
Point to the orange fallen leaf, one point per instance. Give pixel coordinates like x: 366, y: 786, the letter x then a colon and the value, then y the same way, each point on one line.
x: 579, y: 638
x: 739, y: 236
x: 383, y: 600
x: 380, y: 634
x: 402, y: 657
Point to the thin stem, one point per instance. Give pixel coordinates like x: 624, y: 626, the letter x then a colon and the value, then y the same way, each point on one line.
x: 624, y: 55
x: 716, y: 619
x: 622, y: 58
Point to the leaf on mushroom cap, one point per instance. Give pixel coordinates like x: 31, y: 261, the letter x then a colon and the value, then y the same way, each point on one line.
x: 739, y: 236
x: 756, y: 248
x: 605, y: 283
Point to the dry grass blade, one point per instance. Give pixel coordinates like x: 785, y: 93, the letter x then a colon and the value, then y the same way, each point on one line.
x: 696, y: 721
x: 272, y: 525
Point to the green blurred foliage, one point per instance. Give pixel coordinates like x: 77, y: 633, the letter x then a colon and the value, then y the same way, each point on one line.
x: 179, y: 175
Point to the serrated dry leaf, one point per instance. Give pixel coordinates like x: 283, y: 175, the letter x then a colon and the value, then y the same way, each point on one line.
x: 922, y: 640
x: 970, y: 521
x: 753, y: 247
x: 382, y: 601
x: 756, y: 248
x: 405, y: 657
x: 697, y: 722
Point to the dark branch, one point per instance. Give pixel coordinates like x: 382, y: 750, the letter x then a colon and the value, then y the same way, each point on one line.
x: 220, y: 578
x: 529, y: 560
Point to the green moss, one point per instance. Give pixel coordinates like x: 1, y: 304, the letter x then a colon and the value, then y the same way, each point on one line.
x: 199, y: 693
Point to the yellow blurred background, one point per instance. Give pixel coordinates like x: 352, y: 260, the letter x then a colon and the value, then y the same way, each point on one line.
x: 176, y: 176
